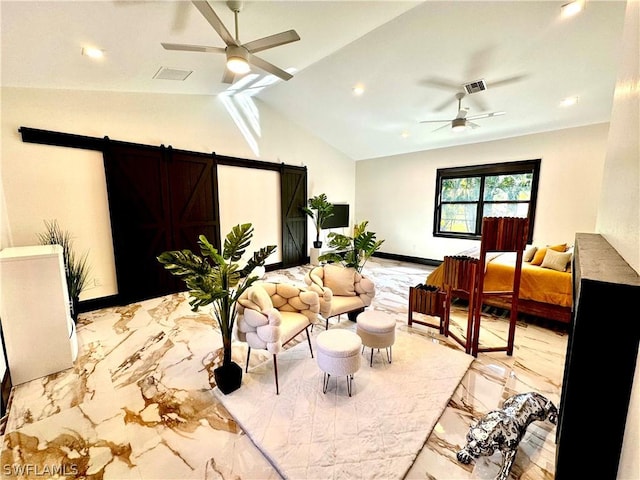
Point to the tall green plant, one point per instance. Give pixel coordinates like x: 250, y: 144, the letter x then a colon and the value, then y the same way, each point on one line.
x: 352, y: 251
x: 217, y: 279
x: 319, y: 209
x: 76, y: 266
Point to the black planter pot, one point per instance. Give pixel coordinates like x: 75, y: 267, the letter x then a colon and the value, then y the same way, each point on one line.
x: 317, y: 244
x: 75, y: 303
x: 228, y: 377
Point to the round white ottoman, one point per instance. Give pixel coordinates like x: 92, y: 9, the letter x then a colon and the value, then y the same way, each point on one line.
x: 338, y: 353
x: 377, y: 330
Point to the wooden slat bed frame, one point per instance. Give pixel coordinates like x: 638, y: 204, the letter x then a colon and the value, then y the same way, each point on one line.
x: 531, y: 307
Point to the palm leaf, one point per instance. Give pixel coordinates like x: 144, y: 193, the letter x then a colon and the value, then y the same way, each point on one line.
x: 208, y: 250
x: 184, y: 263
x: 237, y: 241
x: 352, y: 251
x: 219, y: 283
x: 339, y: 241
x: 257, y: 260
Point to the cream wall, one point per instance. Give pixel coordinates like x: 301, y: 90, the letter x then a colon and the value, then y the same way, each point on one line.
x: 404, y: 186
x: 44, y: 182
x: 619, y: 208
x: 4, y: 241
x: 235, y: 183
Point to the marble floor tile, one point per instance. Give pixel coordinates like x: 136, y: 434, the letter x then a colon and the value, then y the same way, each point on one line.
x: 138, y: 403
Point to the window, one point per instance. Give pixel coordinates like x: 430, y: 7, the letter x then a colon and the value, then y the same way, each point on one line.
x: 466, y: 194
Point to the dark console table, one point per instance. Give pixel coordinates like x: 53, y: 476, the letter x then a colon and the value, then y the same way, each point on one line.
x: 601, y: 357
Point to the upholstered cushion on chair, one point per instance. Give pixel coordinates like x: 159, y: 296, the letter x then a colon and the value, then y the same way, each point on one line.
x: 340, y: 280
x: 272, y: 314
x: 315, y: 281
x: 333, y: 304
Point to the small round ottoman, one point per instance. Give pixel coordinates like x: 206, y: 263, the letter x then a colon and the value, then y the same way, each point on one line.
x: 377, y: 330
x: 338, y: 353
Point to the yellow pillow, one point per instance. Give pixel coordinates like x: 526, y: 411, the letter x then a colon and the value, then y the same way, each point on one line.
x: 539, y: 256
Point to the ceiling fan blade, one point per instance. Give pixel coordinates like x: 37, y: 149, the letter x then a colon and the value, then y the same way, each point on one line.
x: 435, y: 121
x: 506, y: 81
x: 192, y: 48
x: 271, y: 41
x: 269, y: 67
x: 180, y: 17
x: 442, y: 83
x: 228, y: 76
x: 462, y: 113
x: 213, y: 19
x: 479, y: 103
x: 443, y: 126
x: 485, y: 115
x: 444, y: 104
x: 472, y: 125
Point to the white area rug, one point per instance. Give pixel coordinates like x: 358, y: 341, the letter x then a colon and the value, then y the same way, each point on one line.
x: 375, y: 433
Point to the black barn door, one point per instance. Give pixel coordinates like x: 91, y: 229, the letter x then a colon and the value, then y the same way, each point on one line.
x: 158, y: 200
x: 194, y: 199
x: 294, y: 220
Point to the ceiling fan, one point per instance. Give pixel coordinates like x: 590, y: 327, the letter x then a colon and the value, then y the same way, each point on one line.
x: 239, y: 56
x: 461, y: 121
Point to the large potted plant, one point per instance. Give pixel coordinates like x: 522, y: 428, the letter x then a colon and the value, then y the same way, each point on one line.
x: 216, y: 279
x: 76, y: 266
x: 352, y: 251
x: 318, y: 209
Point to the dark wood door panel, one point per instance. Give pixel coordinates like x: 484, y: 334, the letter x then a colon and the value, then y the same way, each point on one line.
x: 162, y: 199
x: 194, y: 200
x: 159, y: 200
x: 140, y: 220
x: 294, y: 220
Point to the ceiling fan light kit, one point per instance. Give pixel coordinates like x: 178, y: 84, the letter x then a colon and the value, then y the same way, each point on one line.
x: 462, y: 122
x: 458, y: 124
x: 238, y: 59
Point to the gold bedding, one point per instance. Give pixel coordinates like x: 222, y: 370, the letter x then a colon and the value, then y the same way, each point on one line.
x: 537, y: 283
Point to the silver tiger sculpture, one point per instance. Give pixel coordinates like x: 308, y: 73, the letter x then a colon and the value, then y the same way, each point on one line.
x: 503, y: 429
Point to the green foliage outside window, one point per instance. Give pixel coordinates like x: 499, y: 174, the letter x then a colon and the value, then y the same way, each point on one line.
x: 468, y: 194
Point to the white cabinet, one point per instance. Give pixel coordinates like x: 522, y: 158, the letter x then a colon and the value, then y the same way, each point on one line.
x: 38, y: 331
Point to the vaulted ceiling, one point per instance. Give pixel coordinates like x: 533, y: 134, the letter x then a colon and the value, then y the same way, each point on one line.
x: 411, y: 58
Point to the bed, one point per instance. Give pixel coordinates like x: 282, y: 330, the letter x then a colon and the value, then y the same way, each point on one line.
x: 544, y: 292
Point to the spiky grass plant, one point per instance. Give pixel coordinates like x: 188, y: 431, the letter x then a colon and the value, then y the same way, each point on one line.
x: 76, y: 266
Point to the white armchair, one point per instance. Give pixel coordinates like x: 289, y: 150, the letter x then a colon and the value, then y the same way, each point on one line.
x: 272, y: 314
x: 341, y: 290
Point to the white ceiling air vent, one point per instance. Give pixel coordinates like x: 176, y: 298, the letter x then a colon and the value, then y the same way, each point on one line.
x: 172, y: 74
x: 474, y: 87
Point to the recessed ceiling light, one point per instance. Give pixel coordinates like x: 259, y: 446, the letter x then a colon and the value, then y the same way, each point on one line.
x: 572, y: 8
x: 405, y: 134
x: 92, y: 52
x: 358, y: 89
x: 569, y: 101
